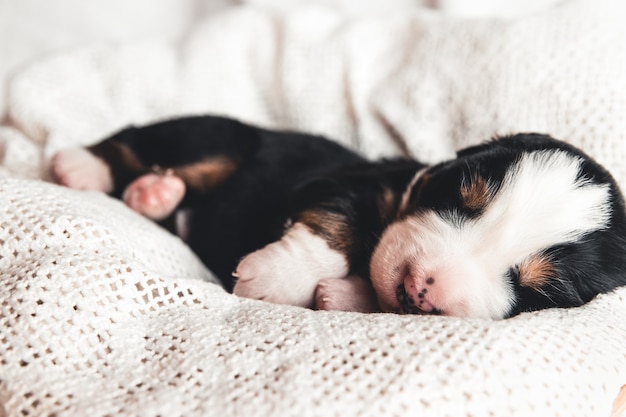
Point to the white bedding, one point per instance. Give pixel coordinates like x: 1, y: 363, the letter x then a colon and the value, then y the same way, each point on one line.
x: 104, y: 314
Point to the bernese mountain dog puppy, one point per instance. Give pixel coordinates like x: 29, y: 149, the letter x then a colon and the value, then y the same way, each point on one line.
x: 519, y: 223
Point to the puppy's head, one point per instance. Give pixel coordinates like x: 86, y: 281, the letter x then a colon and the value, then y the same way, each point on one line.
x: 517, y: 224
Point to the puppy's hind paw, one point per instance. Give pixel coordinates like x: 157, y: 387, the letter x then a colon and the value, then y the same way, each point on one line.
x: 155, y: 196
x: 80, y: 169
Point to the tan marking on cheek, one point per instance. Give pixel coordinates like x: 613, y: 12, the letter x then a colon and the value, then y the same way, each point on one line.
x: 476, y: 194
x: 205, y: 175
x: 536, y: 271
x: 333, y: 227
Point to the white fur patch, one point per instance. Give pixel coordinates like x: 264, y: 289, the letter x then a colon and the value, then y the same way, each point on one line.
x: 288, y: 271
x: 540, y: 203
x: 80, y: 169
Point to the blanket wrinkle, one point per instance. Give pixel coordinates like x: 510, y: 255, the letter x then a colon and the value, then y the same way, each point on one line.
x: 103, y: 313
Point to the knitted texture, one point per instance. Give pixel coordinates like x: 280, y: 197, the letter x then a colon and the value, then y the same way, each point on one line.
x: 102, y: 313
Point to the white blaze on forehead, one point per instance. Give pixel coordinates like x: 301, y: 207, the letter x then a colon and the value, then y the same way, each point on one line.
x: 541, y: 202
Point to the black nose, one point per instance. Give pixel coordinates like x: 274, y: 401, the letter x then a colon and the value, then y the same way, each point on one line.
x: 407, y: 304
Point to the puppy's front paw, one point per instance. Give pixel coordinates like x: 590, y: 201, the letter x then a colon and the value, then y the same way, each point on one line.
x: 348, y: 294
x: 155, y: 196
x: 288, y: 271
x: 80, y: 169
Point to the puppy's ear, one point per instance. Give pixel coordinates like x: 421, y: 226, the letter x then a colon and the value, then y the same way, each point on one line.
x: 476, y: 149
x: 526, y: 142
x: 519, y: 141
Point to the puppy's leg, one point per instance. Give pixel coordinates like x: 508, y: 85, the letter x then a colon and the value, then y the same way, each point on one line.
x: 108, y: 166
x: 155, y: 196
x: 152, y: 195
x: 352, y: 293
x: 202, y: 151
x: 289, y: 270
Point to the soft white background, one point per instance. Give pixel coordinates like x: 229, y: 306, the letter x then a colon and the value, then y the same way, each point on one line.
x: 33, y: 29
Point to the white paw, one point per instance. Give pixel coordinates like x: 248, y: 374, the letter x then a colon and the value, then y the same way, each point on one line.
x: 348, y: 294
x: 79, y: 169
x: 288, y: 271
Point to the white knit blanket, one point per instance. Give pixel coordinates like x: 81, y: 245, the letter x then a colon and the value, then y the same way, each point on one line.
x: 104, y: 314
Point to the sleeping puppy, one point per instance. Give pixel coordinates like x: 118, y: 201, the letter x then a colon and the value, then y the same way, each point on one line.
x: 519, y: 223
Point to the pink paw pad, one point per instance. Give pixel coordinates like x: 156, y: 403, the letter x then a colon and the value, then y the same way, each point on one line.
x: 155, y: 196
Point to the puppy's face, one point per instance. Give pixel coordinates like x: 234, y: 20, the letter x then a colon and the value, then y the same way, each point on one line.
x: 486, y: 235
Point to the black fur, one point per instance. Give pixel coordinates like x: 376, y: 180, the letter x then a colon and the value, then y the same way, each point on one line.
x: 280, y: 174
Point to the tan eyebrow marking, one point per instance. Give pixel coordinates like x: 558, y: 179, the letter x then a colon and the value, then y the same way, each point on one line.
x: 535, y: 271
x: 476, y: 194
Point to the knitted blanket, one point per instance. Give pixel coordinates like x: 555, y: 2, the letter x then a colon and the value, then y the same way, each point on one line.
x: 102, y: 313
